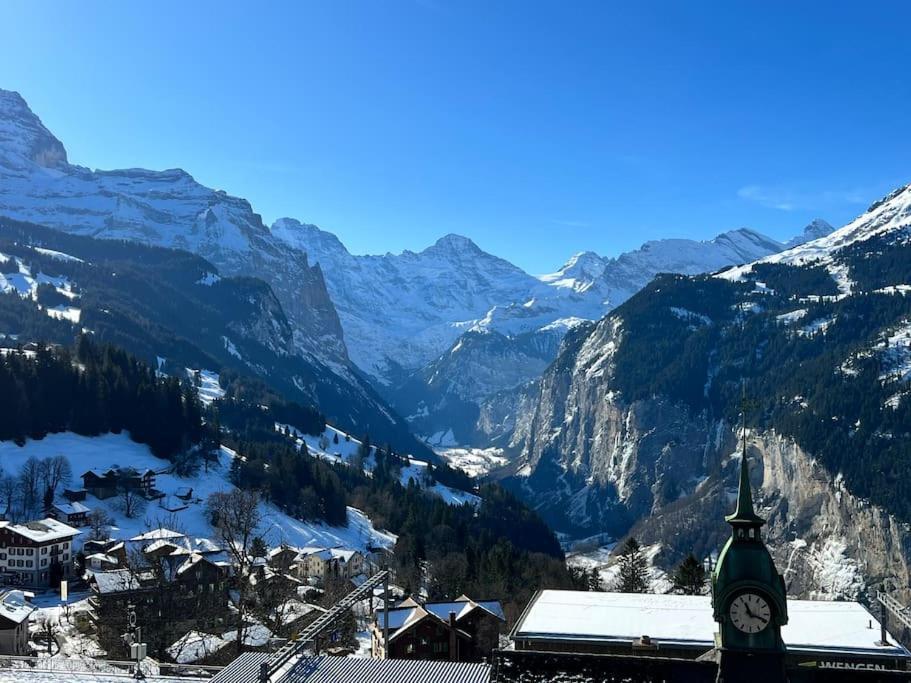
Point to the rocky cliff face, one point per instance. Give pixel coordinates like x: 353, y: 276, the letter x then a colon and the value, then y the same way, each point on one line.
x: 668, y: 477
x: 631, y: 431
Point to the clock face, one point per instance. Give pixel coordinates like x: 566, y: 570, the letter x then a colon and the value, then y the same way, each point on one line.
x: 750, y: 613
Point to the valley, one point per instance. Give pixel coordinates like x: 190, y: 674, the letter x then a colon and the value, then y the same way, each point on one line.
x: 474, y: 428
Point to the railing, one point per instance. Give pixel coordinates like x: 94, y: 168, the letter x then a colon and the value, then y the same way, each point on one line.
x: 295, y: 647
x: 149, y: 667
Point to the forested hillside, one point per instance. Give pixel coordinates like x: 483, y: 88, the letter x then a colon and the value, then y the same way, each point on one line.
x: 93, y: 390
x: 170, y: 306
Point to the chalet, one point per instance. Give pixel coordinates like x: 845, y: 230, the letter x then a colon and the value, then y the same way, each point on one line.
x: 459, y: 631
x: 74, y: 514
x: 107, y: 483
x: 75, y: 495
x: 15, y: 613
x: 37, y: 554
x: 101, y: 562
x: 199, y: 575
x: 327, y: 563
x: 283, y: 557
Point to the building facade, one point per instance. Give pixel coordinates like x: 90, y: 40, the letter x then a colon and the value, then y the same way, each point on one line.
x: 36, y: 554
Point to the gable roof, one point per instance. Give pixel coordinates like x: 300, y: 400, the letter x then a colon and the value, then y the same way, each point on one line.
x: 71, y: 508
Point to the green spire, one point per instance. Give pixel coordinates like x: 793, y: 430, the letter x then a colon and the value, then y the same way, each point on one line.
x: 744, y: 514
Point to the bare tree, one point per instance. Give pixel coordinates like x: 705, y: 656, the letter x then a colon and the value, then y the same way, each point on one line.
x: 57, y: 472
x: 48, y: 627
x: 99, y: 524
x: 131, y: 501
x: 29, y: 479
x: 236, y: 517
x: 9, y: 493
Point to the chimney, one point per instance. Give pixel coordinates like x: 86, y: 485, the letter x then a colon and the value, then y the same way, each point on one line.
x: 453, y: 638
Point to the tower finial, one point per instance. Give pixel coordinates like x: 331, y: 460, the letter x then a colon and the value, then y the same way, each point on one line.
x: 744, y: 513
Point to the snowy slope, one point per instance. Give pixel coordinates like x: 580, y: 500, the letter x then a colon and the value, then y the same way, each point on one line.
x: 102, y: 452
x: 345, y: 451
x: 162, y: 208
x: 891, y: 215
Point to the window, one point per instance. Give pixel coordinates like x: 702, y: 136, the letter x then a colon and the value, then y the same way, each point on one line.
x: 30, y: 552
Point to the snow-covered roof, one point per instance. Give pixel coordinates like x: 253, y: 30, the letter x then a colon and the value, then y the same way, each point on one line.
x: 155, y: 546
x: 686, y: 620
x: 44, y: 531
x: 15, y: 607
x: 116, y: 581
x: 101, y: 557
x: 410, y: 612
x: 196, y: 645
x: 158, y: 535
x: 71, y: 508
x: 196, y: 558
x: 343, y: 554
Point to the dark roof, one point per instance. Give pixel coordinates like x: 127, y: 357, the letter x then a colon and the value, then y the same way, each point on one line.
x: 347, y: 670
x: 244, y: 669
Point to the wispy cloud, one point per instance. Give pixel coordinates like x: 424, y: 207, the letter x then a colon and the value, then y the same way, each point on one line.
x: 786, y: 198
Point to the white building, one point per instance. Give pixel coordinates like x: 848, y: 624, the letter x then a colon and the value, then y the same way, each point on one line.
x: 37, y: 554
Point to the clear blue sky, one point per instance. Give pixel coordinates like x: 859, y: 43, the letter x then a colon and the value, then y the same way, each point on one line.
x: 536, y: 128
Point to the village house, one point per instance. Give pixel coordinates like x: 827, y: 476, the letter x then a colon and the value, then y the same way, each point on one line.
x: 458, y: 631
x: 74, y: 514
x: 324, y: 563
x: 108, y: 483
x: 15, y: 614
x: 37, y: 554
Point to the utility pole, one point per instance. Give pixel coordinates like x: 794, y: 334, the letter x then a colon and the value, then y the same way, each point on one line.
x: 133, y: 638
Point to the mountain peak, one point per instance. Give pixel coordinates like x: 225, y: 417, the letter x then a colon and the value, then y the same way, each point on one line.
x: 23, y: 138
x: 814, y: 230
x: 307, y: 237
x: 454, y: 242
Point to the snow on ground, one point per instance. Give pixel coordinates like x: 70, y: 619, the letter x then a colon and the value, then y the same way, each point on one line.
x: 609, y: 568
x: 336, y: 446
x: 690, y: 316
x: 894, y: 289
x: 817, y: 326
x: 475, y: 462
x: 102, y: 452
x: 895, y: 351
x: 59, y: 255
x: 837, y: 576
x: 791, y: 317
x: 207, y: 385
x: 62, y: 312
x: 441, y: 439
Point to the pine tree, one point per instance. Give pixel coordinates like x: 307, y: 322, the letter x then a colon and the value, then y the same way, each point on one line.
x: 633, y: 576
x: 689, y: 577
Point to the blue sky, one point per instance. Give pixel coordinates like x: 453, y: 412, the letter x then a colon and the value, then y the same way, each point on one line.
x: 538, y: 129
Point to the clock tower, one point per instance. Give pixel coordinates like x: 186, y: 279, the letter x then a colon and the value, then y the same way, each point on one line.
x: 748, y: 597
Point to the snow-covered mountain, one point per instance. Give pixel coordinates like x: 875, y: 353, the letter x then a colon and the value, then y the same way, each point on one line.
x: 402, y: 310
x: 170, y: 209
x: 160, y: 208
x: 444, y: 330
x: 621, y: 441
